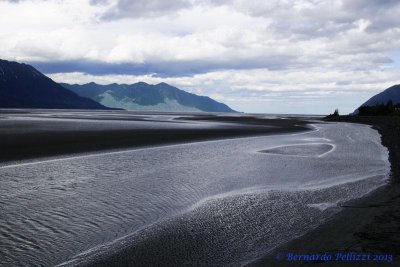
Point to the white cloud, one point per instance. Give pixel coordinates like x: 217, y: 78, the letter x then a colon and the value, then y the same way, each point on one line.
x: 269, y: 91
x: 143, y: 8
x: 320, y: 52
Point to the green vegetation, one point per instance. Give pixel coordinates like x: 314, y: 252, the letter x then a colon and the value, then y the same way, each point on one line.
x: 380, y: 110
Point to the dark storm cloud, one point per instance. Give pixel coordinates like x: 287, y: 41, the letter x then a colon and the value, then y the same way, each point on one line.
x: 163, y: 69
x: 95, y: 68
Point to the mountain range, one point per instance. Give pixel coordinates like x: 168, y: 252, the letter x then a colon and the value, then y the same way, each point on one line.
x: 23, y: 86
x: 143, y: 96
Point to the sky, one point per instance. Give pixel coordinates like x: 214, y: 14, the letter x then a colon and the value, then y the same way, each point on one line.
x: 275, y: 56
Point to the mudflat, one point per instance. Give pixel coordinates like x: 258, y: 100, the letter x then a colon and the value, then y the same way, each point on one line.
x: 26, y: 134
x: 367, y: 226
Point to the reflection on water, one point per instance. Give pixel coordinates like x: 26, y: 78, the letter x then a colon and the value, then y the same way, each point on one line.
x: 220, y: 198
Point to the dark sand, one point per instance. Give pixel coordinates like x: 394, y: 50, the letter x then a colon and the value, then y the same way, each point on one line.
x: 370, y: 225
x: 26, y: 134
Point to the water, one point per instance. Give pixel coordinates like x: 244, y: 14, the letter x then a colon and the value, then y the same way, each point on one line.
x: 218, y: 202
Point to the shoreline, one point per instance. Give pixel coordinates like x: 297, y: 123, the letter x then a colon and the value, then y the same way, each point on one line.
x: 38, y: 135
x: 368, y: 225
x: 143, y: 252
x: 358, y: 227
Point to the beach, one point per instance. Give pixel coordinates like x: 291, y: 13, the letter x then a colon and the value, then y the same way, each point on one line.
x: 128, y: 188
x: 370, y: 225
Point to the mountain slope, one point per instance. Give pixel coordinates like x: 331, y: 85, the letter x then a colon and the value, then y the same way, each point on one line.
x: 143, y: 96
x: 22, y: 86
x: 392, y: 93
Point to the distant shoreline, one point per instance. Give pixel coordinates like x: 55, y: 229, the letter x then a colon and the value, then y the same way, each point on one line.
x: 367, y: 225
x: 36, y: 134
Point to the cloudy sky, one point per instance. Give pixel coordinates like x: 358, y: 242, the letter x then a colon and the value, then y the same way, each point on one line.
x: 275, y: 56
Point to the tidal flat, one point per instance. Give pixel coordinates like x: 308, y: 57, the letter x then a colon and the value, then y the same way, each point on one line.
x: 168, y: 189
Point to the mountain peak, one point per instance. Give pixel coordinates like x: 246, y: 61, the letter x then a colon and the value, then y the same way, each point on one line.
x: 143, y: 96
x: 142, y: 84
x: 164, y: 84
x: 391, y: 93
x: 22, y: 86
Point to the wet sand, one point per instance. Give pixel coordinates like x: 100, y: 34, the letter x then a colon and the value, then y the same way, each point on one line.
x: 233, y: 229
x: 26, y: 134
x: 370, y: 225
